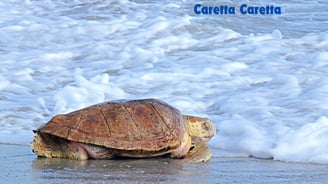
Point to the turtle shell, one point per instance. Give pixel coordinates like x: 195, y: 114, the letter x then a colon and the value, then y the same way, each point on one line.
x: 138, y: 125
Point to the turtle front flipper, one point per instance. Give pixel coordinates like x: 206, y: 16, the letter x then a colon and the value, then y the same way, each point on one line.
x: 198, y: 152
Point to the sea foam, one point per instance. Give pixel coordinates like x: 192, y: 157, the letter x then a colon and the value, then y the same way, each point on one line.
x: 261, y: 79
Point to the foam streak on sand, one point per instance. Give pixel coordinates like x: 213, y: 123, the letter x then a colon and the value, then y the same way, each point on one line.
x: 265, y: 86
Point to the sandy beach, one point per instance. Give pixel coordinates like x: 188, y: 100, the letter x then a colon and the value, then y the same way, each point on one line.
x: 19, y: 165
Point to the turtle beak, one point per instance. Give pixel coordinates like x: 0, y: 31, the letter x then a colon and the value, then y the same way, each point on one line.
x: 210, y: 128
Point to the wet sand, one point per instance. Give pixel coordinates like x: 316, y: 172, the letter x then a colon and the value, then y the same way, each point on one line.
x: 19, y: 165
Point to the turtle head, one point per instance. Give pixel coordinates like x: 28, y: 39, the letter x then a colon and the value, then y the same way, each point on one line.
x: 200, y: 127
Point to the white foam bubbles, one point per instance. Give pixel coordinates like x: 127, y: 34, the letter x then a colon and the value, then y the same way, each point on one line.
x: 233, y: 67
x: 170, y: 43
x: 56, y: 56
x: 276, y: 34
x: 306, y: 143
x: 321, y: 60
x: 288, y: 85
x: 3, y: 83
x: 86, y: 92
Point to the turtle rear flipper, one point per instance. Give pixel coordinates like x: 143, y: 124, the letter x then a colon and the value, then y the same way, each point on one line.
x: 45, y: 145
x: 198, y: 152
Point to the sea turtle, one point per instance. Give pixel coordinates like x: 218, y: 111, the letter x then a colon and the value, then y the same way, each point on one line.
x: 136, y: 128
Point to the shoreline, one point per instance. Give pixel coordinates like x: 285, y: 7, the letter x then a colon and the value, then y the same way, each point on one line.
x: 19, y: 164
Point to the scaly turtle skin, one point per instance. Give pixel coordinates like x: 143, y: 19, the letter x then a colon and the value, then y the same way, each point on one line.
x: 137, y: 128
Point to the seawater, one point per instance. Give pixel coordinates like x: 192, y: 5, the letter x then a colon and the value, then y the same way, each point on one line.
x: 261, y: 78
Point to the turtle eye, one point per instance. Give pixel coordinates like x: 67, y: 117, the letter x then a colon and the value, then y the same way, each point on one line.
x: 191, y: 148
x: 205, y: 126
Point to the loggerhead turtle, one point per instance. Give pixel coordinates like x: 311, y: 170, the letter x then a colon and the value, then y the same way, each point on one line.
x: 137, y: 128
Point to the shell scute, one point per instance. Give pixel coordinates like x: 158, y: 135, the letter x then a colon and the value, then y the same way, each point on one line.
x: 140, y: 125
